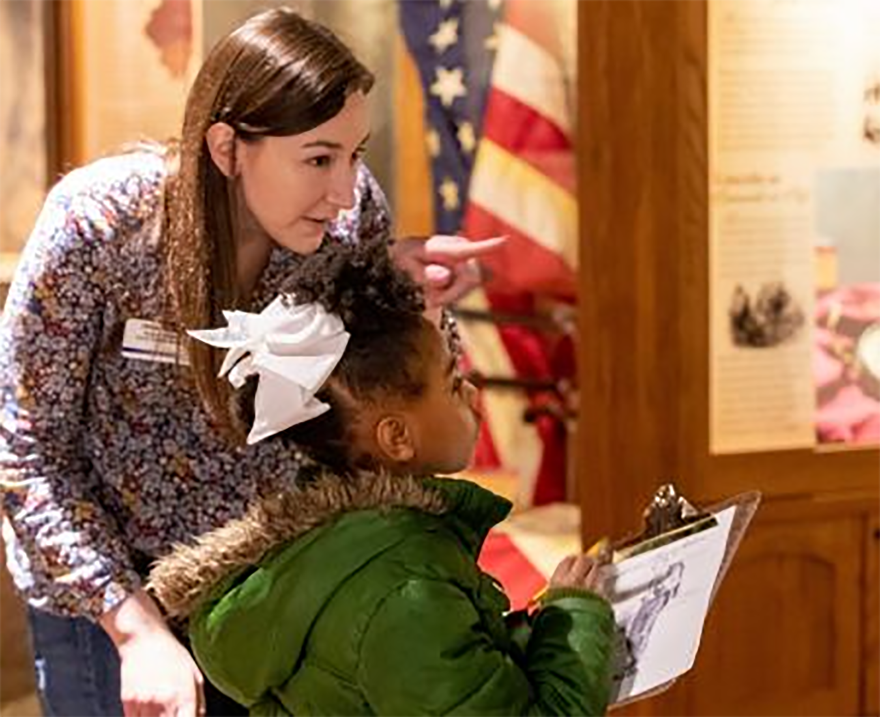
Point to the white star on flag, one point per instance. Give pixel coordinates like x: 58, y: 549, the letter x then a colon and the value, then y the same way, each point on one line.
x: 432, y: 140
x: 466, y: 137
x: 446, y: 35
x: 449, y: 194
x: 491, y: 43
x: 449, y: 85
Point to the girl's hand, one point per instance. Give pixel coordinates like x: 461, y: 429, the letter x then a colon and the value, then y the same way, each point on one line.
x: 581, y: 571
x: 158, y: 676
x: 447, y: 267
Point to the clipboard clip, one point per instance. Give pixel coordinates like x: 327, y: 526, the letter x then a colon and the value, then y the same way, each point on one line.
x: 668, y: 510
x: 668, y: 517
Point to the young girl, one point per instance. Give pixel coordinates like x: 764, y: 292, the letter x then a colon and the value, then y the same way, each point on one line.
x: 357, y: 592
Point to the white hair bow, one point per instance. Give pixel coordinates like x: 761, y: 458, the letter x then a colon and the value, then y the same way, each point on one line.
x: 293, y: 348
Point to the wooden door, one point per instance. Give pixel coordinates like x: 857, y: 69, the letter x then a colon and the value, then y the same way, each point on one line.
x: 784, y: 635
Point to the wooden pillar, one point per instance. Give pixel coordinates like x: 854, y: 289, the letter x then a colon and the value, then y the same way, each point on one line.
x: 643, y: 206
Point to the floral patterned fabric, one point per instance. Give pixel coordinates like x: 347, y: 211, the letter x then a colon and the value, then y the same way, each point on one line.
x: 105, y: 461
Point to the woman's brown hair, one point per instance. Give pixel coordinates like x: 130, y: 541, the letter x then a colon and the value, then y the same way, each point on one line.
x: 278, y: 74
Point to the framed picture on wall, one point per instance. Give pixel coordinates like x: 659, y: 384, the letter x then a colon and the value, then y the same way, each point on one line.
x: 126, y: 69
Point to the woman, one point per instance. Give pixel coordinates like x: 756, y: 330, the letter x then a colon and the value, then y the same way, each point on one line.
x: 115, y: 436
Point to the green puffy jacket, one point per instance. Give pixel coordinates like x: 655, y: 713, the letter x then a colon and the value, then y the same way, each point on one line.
x: 365, y: 598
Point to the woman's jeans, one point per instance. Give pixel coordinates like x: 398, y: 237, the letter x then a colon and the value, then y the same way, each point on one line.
x: 77, y: 670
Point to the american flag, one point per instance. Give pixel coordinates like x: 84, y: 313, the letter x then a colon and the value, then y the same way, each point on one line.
x: 499, y: 133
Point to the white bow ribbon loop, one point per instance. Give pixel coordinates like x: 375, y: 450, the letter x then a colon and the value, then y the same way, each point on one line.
x: 293, y: 348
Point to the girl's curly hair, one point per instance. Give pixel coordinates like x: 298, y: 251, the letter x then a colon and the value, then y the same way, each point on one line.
x: 381, y: 307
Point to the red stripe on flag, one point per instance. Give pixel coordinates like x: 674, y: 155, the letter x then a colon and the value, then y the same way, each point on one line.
x: 532, y: 356
x: 531, y: 137
x: 523, y: 264
x: 550, y: 487
x: 516, y: 125
x: 503, y: 560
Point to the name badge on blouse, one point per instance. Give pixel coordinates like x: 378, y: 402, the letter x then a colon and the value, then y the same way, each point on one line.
x: 149, y: 341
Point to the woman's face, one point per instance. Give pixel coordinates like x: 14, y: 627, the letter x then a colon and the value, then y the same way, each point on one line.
x: 293, y: 186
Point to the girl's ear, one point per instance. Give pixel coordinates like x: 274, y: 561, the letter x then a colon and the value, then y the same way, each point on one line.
x: 220, y: 138
x: 394, y: 439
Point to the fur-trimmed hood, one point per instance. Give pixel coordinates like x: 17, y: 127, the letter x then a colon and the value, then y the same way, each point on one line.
x: 182, y: 580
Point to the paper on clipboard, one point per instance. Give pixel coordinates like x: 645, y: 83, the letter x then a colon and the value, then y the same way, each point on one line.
x: 661, y: 598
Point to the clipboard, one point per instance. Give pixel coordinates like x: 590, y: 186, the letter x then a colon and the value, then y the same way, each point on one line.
x: 670, y: 516
x: 672, y: 525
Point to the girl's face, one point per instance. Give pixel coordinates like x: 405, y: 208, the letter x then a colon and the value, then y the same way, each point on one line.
x: 444, y: 421
x: 293, y: 187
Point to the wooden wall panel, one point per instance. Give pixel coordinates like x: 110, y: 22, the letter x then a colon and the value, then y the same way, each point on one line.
x: 784, y: 636
x: 643, y: 206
